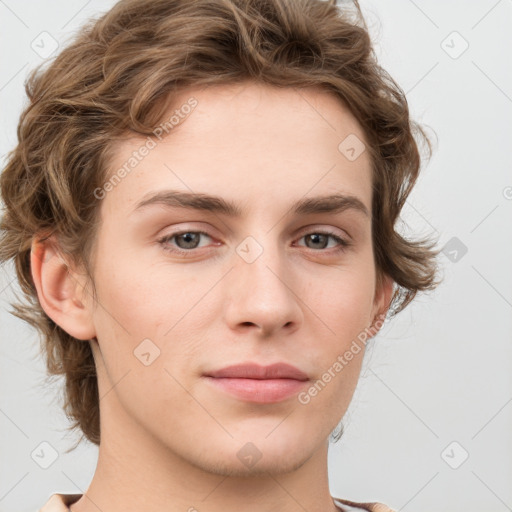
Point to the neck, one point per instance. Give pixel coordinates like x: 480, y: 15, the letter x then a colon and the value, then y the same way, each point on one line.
x: 136, y: 472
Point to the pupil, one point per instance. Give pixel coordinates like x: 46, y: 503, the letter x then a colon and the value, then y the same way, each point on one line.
x: 317, y: 236
x: 187, y: 237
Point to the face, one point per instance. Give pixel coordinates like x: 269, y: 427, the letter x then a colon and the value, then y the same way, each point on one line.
x: 263, y: 275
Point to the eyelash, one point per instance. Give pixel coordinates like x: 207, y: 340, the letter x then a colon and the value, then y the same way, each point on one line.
x: 343, y: 244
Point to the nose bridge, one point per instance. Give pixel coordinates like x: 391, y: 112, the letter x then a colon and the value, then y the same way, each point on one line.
x: 261, y: 260
x: 260, y: 286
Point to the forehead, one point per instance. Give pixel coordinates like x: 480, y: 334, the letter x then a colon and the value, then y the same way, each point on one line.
x: 248, y: 143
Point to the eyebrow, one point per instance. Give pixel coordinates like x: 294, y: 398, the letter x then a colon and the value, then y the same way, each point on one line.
x: 336, y: 203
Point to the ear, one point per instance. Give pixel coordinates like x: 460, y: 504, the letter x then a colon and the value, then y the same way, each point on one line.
x: 382, y: 301
x: 61, y: 290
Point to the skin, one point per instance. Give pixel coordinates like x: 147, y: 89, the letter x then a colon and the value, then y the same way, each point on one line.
x: 169, y: 439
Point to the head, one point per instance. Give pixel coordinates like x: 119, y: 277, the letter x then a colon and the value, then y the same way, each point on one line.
x: 268, y: 105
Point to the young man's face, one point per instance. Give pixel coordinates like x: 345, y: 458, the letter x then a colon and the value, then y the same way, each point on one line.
x: 267, y: 286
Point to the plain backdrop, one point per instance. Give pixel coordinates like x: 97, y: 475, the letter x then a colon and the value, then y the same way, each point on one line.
x: 429, y: 426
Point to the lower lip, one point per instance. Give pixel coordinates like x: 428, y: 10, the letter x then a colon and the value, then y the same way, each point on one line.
x: 263, y: 391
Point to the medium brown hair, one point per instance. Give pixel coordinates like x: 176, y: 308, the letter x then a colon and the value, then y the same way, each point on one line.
x: 116, y: 77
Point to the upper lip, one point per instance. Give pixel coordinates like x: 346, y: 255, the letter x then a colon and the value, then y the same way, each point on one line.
x: 256, y: 371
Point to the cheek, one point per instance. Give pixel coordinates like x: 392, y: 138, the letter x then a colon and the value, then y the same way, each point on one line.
x: 139, y: 300
x: 126, y: 310
x: 136, y: 294
x: 137, y: 309
x: 343, y: 299
x: 343, y: 305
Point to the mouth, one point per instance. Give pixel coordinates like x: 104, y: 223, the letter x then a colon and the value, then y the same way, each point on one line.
x: 258, y: 390
x: 250, y: 382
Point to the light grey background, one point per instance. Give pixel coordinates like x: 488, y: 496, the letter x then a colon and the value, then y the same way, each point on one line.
x: 441, y: 372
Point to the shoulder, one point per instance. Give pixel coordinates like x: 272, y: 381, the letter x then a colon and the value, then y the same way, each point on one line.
x: 355, y: 506
x: 59, y: 502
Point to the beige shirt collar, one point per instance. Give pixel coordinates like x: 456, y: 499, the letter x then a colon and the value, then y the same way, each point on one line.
x: 60, y: 503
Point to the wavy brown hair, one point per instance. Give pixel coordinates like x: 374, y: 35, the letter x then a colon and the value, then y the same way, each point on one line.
x: 117, y: 77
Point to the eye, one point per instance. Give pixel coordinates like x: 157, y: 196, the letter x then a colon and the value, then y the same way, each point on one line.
x: 320, y: 240
x: 186, y: 241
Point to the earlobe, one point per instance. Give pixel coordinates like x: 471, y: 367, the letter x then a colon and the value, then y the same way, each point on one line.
x: 383, y: 297
x: 60, y: 291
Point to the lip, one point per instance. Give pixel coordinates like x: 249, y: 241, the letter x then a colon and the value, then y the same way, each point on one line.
x: 256, y: 371
x: 251, y: 382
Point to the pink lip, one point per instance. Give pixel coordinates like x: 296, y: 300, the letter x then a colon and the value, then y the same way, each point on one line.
x: 259, y: 384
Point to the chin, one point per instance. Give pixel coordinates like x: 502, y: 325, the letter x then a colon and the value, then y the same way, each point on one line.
x: 252, y: 454
x: 228, y: 464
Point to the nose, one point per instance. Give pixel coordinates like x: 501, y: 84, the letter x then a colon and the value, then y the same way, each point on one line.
x: 260, y: 294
